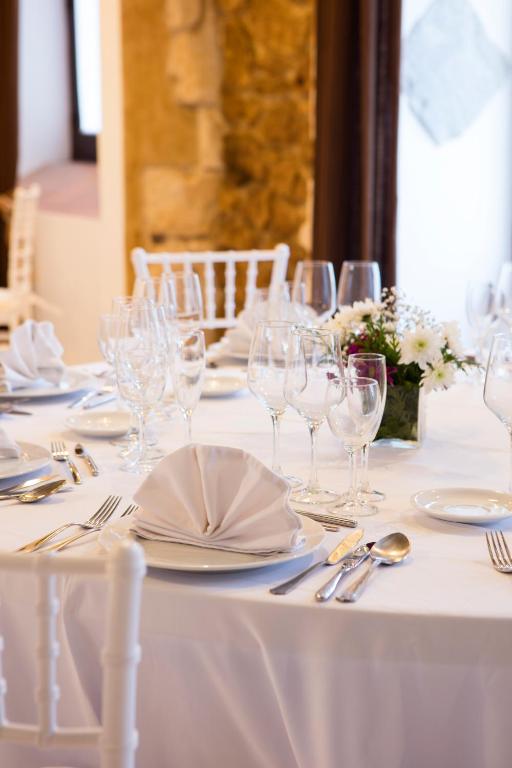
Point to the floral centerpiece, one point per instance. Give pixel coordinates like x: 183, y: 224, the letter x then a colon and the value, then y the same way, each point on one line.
x: 421, y: 355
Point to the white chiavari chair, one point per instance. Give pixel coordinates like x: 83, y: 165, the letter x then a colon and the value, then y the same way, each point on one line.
x: 278, y: 257
x: 18, y: 300
x: 116, y: 736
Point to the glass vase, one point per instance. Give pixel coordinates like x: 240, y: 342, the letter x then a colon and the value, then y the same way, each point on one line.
x: 403, y: 421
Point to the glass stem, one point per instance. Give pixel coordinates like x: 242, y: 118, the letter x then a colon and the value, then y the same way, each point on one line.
x: 188, y: 419
x: 141, y: 427
x: 364, y: 485
x: 276, y: 464
x: 352, y: 474
x: 313, y: 474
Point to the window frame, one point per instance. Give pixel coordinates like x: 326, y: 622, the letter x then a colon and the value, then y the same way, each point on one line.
x: 83, y: 146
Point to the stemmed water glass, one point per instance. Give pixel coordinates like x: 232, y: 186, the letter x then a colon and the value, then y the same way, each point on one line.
x: 481, y: 311
x: 372, y: 366
x: 359, y: 280
x: 188, y: 298
x: 266, y: 378
x: 354, y: 414
x: 314, y: 356
x: 141, y: 355
x: 498, y: 384
x: 188, y: 362
x: 314, y: 289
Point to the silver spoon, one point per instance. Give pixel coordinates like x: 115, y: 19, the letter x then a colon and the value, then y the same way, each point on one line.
x: 389, y: 550
x: 40, y: 493
x: 12, y: 490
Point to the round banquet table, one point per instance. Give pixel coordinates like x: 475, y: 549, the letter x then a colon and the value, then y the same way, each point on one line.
x: 417, y: 673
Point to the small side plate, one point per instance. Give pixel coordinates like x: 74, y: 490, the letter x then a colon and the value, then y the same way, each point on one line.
x: 465, y: 505
x: 223, y: 385
x: 100, y: 423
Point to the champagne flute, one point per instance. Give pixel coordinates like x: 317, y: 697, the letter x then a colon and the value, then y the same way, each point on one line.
x: 359, y: 280
x: 354, y: 414
x: 498, y: 384
x: 314, y: 288
x: 188, y: 364
x: 373, y: 366
x: 266, y: 377
x: 108, y: 331
x: 188, y: 300
x: 314, y: 356
x: 141, y: 366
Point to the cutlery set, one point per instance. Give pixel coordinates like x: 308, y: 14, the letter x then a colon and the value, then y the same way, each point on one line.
x: 348, y: 556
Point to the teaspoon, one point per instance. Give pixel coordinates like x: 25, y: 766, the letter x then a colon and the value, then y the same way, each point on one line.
x: 41, y: 492
x: 389, y: 550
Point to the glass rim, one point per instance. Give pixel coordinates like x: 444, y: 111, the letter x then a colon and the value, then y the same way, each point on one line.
x: 367, y: 380
x: 367, y: 356
x: 359, y: 263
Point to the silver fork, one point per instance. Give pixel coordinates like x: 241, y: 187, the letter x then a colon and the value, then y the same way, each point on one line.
x: 106, y: 517
x: 60, y: 453
x: 499, y: 551
x: 110, y: 503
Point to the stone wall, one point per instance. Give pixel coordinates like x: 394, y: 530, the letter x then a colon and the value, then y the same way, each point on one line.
x: 218, y: 123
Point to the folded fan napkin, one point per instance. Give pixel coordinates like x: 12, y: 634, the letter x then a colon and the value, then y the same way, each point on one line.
x: 8, y: 448
x: 213, y: 496
x: 34, y: 354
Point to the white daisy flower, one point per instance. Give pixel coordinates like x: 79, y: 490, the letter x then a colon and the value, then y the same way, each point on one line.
x: 451, y: 333
x: 441, y: 376
x: 422, y: 346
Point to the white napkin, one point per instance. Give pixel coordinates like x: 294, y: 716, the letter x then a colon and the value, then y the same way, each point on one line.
x: 8, y: 448
x: 218, y: 497
x: 34, y: 355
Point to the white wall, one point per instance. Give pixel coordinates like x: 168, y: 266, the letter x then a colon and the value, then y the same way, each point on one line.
x: 455, y: 200
x: 44, y: 85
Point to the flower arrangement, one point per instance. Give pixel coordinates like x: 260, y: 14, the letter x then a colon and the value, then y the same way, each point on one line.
x: 418, y: 350
x: 421, y: 354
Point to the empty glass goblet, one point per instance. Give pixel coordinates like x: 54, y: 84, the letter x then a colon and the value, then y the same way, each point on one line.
x: 314, y: 290
x: 141, y: 357
x: 314, y: 356
x: 498, y: 384
x: 371, y: 365
x: 354, y: 414
x: 266, y: 376
x: 188, y: 362
x: 359, y: 280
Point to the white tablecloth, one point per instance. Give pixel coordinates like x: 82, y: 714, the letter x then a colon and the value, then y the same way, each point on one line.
x: 417, y: 674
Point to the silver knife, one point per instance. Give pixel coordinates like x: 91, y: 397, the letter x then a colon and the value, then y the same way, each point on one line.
x: 345, y: 546
x: 86, y: 456
x: 84, y: 398
x: 93, y: 403
x: 347, y: 565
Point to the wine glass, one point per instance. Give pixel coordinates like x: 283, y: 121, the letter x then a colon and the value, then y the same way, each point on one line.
x: 314, y: 290
x: 108, y: 331
x: 359, y: 280
x: 372, y: 366
x: 498, y: 384
x: 481, y: 311
x: 188, y: 364
x: 161, y: 290
x: 314, y: 356
x: 354, y: 414
x: 141, y: 354
x: 188, y: 300
x: 266, y: 377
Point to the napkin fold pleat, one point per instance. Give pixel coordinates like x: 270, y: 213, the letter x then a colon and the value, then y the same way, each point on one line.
x: 34, y: 354
x: 9, y: 449
x: 219, y: 497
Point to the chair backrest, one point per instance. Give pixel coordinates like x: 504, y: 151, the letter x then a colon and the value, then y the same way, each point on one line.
x: 187, y: 260
x: 116, y: 736
x: 22, y: 238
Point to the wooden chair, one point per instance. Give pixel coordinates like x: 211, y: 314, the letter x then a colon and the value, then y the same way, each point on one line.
x: 187, y: 260
x: 18, y: 300
x: 116, y: 737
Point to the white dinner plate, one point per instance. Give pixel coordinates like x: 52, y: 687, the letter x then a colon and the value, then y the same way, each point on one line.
x: 73, y: 382
x: 465, y: 505
x: 100, y: 423
x: 223, y: 385
x: 183, y: 557
x: 33, y: 457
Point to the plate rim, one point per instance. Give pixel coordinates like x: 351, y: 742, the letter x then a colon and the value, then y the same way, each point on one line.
x: 451, y: 517
x: 263, y: 561
x: 88, y: 432
x: 23, y: 444
x: 51, y: 391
